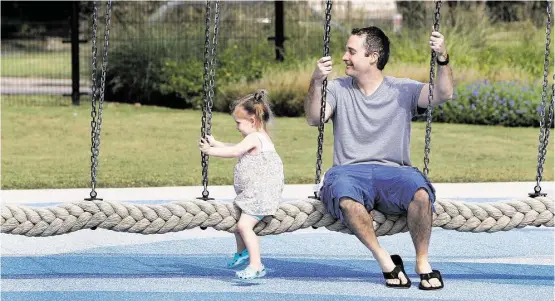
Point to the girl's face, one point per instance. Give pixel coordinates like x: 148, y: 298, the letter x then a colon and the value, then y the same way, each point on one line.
x: 245, y: 123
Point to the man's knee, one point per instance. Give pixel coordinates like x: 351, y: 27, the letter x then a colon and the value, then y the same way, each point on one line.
x: 348, y: 205
x: 421, y: 197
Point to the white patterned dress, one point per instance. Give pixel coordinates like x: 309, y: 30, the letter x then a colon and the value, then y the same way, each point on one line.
x: 258, y: 180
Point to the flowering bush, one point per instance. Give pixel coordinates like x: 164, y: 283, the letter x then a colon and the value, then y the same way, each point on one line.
x: 500, y: 103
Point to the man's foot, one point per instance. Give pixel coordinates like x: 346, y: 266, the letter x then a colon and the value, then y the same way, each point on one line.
x: 395, y: 275
x: 429, y: 279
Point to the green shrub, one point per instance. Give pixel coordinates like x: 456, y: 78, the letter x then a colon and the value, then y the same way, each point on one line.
x: 163, y: 67
x: 502, y: 103
x: 134, y: 69
x: 285, y: 100
x: 185, y: 79
x: 157, y: 67
x: 234, y: 64
x: 287, y: 87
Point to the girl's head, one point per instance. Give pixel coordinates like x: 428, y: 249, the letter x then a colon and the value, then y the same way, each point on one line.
x: 252, y: 112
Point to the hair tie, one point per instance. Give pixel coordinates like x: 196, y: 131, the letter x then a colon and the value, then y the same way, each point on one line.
x: 259, y: 96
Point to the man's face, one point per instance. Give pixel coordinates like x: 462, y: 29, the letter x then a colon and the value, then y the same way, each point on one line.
x: 355, y: 58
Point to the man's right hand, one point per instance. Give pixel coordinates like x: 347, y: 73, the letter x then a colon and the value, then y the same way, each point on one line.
x: 323, y: 69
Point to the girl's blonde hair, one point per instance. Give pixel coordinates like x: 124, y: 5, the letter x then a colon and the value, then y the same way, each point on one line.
x: 256, y: 104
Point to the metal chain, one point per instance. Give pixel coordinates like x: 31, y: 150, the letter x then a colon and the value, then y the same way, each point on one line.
x: 96, y: 113
x: 104, y: 65
x: 431, y: 96
x: 213, y: 62
x: 208, y: 86
x: 204, y: 157
x: 324, y: 94
x: 94, y: 154
x: 550, y: 119
x: 544, y: 128
x: 550, y: 115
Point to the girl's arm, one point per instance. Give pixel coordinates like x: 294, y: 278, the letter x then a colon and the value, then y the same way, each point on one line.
x: 234, y: 151
x: 215, y: 143
x: 222, y: 144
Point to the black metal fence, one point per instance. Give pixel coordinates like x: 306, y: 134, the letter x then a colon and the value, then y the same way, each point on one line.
x: 38, y: 60
x: 37, y: 56
x: 39, y: 63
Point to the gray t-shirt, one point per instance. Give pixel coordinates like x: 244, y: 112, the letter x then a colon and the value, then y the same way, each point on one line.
x: 376, y: 128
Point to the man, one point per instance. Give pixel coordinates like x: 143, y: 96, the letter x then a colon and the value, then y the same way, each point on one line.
x: 371, y: 116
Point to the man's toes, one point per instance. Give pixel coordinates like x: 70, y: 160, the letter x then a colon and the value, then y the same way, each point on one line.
x: 392, y: 281
x: 435, y: 282
x: 426, y: 284
x: 403, y: 278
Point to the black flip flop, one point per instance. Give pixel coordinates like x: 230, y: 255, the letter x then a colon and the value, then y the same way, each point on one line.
x: 399, y: 267
x: 434, y: 274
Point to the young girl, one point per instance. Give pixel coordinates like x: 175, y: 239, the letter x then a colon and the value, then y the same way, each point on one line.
x: 258, y: 177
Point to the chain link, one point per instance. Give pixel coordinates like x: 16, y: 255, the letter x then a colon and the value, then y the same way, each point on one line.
x: 431, y: 96
x: 550, y: 116
x: 213, y: 62
x: 544, y: 128
x: 208, y: 85
x: 324, y: 94
x: 96, y: 113
x: 204, y: 157
x: 93, y: 104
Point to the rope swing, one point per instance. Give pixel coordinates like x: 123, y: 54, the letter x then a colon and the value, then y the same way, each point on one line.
x: 535, y: 210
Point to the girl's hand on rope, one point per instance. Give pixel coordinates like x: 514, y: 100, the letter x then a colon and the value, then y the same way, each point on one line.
x: 323, y: 69
x: 437, y: 43
x: 204, y: 146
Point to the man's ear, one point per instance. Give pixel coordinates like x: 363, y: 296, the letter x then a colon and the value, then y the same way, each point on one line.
x: 374, y: 56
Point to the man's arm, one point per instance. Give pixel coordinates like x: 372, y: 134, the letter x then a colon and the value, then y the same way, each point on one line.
x: 313, y: 104
x: 313, y: 100
x: 443, y: 86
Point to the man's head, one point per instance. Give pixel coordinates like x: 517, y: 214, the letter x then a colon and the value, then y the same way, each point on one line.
x: 366, y: 49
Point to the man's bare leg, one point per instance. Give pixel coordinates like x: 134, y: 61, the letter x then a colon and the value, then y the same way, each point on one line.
x: 361, y: 224
x: 419, y: 221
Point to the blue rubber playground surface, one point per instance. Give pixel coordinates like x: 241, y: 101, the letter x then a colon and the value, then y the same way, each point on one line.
x: 309, y: 264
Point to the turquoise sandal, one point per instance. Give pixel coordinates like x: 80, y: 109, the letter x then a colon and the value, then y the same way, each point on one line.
x: 250, y: 273
x: 238, y: 259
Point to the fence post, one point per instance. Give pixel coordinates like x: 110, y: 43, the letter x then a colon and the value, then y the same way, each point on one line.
x: 74, y: 23
x: 280, y: 35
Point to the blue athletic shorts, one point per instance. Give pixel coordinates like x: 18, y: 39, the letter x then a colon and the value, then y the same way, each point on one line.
x: 388, y: 189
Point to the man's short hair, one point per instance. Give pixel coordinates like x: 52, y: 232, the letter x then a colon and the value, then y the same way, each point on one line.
x: 375, y: 40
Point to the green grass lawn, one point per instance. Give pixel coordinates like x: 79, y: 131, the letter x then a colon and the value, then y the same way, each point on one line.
x: 37, y: 64
x: 49, y: 147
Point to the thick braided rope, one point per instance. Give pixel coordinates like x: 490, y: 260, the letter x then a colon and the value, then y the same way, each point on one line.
x: 291, y: 216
